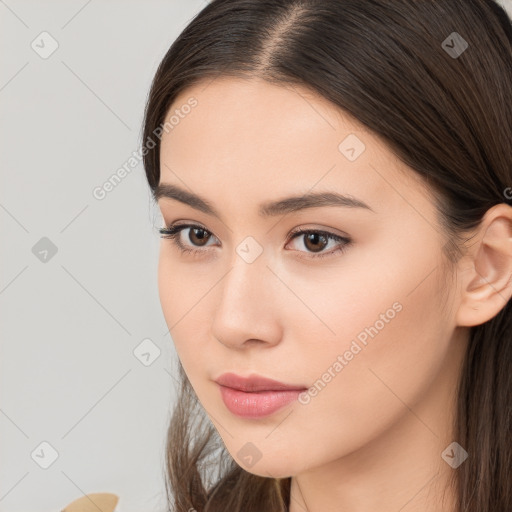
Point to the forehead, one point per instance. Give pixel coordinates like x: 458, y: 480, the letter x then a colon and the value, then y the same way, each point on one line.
x: 248, y: 113
x: 263, y: 139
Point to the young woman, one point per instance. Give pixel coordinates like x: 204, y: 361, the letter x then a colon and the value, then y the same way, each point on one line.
x: 335, y: 179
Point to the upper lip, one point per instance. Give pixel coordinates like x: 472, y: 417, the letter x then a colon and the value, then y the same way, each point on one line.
x: 254, y: 383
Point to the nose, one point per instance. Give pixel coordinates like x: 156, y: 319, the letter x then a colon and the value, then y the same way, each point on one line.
x: 248, y: 310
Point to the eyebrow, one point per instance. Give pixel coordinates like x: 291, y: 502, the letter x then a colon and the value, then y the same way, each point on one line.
x: 267, y: 209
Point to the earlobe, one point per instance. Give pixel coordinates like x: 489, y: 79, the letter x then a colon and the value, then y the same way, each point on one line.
x: 487, y: 284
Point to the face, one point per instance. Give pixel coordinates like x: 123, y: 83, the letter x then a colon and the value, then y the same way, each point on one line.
x: 353, y: 311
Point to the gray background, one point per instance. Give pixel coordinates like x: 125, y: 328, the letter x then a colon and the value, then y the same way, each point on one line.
x: 72, y: 320
x: 70, y: 325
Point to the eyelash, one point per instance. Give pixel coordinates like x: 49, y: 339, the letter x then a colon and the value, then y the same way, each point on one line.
x: 173, y: 232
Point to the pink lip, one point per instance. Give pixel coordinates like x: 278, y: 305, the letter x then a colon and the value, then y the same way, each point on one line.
x: 255, y: 396
x: 255, y: 383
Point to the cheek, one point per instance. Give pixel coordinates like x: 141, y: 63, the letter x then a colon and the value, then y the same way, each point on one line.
x: 168, y: 283
x: 182, y: 294
x: 175, y: 292
x: 392, y: 336
x: 180, y: 286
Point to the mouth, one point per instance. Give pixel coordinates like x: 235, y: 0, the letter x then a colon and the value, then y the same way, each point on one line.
x: 255, y: 396
x: 255, y: 383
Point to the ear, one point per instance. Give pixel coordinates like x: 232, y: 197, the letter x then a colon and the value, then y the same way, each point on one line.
x: 487, y: 274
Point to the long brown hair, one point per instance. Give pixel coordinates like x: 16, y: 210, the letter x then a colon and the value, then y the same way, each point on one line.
x: 448, y: 116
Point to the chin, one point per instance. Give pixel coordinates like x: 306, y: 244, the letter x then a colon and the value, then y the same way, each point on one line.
x: 268, y: 467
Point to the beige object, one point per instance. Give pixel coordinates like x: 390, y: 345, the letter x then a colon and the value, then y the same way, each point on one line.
x: 97, y: 502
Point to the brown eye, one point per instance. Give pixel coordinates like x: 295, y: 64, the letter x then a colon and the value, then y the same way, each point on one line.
x: 315, y: 242
x: 192, y: 242
x: 198, y: 236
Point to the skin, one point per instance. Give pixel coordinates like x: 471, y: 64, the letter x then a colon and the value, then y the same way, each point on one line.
x: 372, y: 438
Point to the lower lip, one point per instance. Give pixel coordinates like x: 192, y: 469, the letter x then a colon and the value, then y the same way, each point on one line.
x: 256, y: 404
